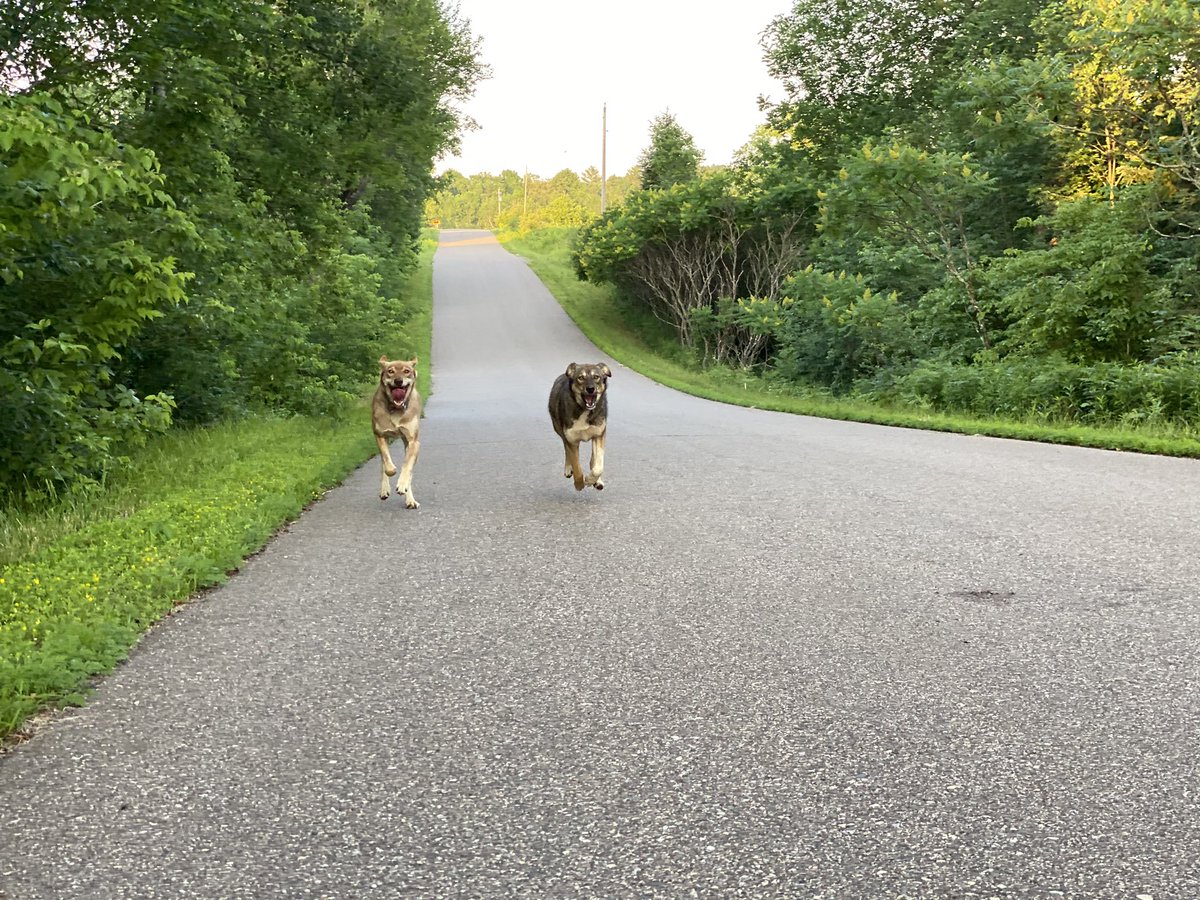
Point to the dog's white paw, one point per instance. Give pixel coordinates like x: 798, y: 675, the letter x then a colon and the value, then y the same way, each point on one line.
x: 383, y: 495
x: 406, y: 490
x: 596, y: 481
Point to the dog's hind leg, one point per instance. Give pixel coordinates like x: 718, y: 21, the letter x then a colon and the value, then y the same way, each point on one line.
x: 571, y: 468
x: 389, y: 468
x: 596, y: 469
x: 404, y: 482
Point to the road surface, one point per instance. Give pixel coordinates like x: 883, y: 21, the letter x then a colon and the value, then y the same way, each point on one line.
x: 776, y: 656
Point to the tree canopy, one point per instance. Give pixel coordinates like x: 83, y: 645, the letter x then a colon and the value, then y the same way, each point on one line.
x: 208, y: 208
x: 989, y: 206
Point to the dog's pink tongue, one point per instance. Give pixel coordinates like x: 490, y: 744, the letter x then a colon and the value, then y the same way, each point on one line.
x: 398, y: 394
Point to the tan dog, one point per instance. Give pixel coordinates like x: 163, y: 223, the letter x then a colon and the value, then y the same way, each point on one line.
x: 579, y: 412
x: 396, y: 413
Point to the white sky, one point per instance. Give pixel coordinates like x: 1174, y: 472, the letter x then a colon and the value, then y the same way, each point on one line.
x: 556, y: 63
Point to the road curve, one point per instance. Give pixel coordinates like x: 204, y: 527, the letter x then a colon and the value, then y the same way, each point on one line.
x: 777, y: 656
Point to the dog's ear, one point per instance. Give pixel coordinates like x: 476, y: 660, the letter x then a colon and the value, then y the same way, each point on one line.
x: 383, y: 363
x: 571, y: 370
x: 413, y: 362
x: 607, y: 370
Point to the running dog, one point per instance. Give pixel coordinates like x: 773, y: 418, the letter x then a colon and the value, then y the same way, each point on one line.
x: 579, y: 412
x: 396, y: 413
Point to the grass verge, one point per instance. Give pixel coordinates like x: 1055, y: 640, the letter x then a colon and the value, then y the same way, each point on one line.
x: 82, y: 578
x: 647, y: 346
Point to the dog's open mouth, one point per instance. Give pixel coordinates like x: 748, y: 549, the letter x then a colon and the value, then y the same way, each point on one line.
x: 399, y: 393
x: 589, y: 399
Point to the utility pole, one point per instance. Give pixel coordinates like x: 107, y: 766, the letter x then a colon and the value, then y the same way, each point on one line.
x: 604, y: 160
x: 497, y: 206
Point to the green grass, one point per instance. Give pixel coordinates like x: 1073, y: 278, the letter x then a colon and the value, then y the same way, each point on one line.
x: 82, y: 578
x: 649, y: 347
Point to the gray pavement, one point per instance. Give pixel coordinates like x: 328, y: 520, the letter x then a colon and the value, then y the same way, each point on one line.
x: 776, y: 657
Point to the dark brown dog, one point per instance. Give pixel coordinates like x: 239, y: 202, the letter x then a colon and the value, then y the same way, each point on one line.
x: 396, y: 413
x: 579, y: 412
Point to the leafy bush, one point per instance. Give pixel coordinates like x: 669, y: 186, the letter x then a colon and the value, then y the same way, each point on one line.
x: 909, y: 197
x: 833, y: 330
x: 1089, y: 293
x: 77, y: 282
x: 683, y: 249
x: 1103, y: 393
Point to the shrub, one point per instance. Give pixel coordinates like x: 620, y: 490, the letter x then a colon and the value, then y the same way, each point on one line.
x: 834, y: 330
x: 77, y: 282
x: 1057, y: 389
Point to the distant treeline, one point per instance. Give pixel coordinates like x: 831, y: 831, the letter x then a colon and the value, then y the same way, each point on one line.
x: 515, y: 202
x: 989, y: 207
x: 206, y: 209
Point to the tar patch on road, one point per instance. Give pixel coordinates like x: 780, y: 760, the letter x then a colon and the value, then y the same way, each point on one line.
x: 996, y: 598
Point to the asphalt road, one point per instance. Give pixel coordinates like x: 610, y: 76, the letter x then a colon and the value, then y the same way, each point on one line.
x: 777, y: 656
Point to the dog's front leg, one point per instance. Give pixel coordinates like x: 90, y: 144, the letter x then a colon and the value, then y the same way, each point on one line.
x: 572, y: 468
x: 389, y: 468
x: 567, y: 471
x: 596, y: 474
x: 404, y: 482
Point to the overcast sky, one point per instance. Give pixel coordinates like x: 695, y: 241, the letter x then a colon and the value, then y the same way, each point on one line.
x: 556, y: 63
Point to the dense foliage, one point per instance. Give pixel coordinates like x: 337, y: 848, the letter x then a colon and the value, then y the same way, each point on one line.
x: 206, y: 209
x: 991, y: 207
